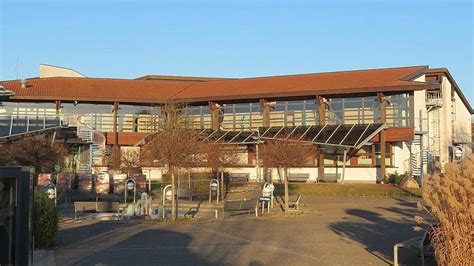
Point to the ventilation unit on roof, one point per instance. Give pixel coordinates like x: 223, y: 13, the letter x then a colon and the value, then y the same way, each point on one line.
x: 23, y: 83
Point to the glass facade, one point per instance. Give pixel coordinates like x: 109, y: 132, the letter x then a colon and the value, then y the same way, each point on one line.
x: 353, y: 110
x: 20, y: 117
x: 294, y: 113
x: 398, y: 110
x: 232, y: 116
x: 198, y: 117
x: 241, y: 116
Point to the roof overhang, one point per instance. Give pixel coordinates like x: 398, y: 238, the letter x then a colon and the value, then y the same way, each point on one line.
x: 446, y: 72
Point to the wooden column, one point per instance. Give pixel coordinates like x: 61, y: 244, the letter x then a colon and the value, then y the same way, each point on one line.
x: 411, y: 103
x: 266, y: 109
x: 322, y: 121
x: 115, y: 120
x: 57, y: 105
x: 116, y: 148
x: 383, y: 118
x: 214, y: 115
x: 265, y: 112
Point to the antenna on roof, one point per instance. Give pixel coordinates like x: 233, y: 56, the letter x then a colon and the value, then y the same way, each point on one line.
x: 17, y: 68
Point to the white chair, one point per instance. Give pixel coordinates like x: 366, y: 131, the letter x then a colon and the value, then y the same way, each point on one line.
x: 295, y: 205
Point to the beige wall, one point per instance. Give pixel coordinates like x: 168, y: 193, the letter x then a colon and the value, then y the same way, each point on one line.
x: 48, y: 71
x: 462, y: 131
x: 445, y: 121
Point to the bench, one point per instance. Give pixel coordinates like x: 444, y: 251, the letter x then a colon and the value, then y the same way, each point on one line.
x: 184, y: 193
x: 329, y: 178
x: 249, y: 205
x: 298, y: 177
x: 419, y: 242
x: 295, y: 205
x: 95, y: 206
x: 239, y: 177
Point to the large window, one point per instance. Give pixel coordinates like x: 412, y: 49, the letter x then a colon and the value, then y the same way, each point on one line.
x: 135, y: 118
x: 198, y: 117
x: 130, y: 118
x: 388, y: 154
x: 398, y: 110
x: 241, y: 116
x: 353, y: 110
x: 294, y: 113
x: 18, y: 117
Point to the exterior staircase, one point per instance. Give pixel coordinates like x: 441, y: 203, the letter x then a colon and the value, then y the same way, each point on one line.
x: 418, y: 157
x: 436, y: 147
x: 96, y: 151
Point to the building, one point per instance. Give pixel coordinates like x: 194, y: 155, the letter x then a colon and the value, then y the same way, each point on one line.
x: 365, y: 123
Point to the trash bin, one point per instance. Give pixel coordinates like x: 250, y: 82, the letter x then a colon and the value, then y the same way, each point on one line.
x: 16, y: 205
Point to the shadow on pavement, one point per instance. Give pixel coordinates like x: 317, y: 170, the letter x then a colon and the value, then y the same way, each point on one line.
x: 379, y: 233
x: 124, y: 244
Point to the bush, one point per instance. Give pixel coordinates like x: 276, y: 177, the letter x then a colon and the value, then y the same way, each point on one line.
x: 45, y: 220
x: 448, y: 198
x: 394, y: 178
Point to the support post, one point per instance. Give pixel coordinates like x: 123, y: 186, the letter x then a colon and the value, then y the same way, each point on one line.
x: 115, y: 151
x: 257, y: 163
x: 322, y: 121
x: 214, y: 107
x: 57, y: 105
x: 266, y: 108
x: 344, y: 165
x: 383, y: 118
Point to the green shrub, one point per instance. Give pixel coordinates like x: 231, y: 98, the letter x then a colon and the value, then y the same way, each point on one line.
x: 394, y: 178
x: 45, y: 220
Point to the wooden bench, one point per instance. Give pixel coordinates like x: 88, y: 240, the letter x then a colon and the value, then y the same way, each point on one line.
x: 298, y: 177
x: 329, y: 178
x: 95, y: 206
x: 247, y: 205
x: 239, y: 177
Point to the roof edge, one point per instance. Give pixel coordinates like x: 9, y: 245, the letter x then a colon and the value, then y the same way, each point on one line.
x: 444, y: 70
x: 416, y: 74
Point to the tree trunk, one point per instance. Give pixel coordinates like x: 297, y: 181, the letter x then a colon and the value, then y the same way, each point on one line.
x: 222, y: 184
x: 286, y: 190
x: 174, y: 206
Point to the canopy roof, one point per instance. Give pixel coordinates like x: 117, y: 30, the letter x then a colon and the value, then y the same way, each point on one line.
x: 348, y: 136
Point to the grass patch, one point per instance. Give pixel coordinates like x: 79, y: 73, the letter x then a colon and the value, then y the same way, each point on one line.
x: 356, y: 190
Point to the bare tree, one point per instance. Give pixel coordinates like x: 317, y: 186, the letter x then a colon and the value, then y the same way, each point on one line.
x: 285, y: 154
x: 39, y: 152
x: 173, y: 146
x: 130, y: 161
x: 219, y: 156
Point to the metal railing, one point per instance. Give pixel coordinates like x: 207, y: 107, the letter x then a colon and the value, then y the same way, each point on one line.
x: 434, y: 98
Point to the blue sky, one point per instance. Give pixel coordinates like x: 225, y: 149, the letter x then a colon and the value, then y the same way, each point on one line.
x: 128, y: 39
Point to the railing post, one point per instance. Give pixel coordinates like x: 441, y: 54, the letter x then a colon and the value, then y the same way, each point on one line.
x: 11, y: 125
x: 27, y: 123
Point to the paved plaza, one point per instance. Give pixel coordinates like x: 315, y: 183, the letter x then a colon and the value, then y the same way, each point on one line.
x: 330, y: 231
